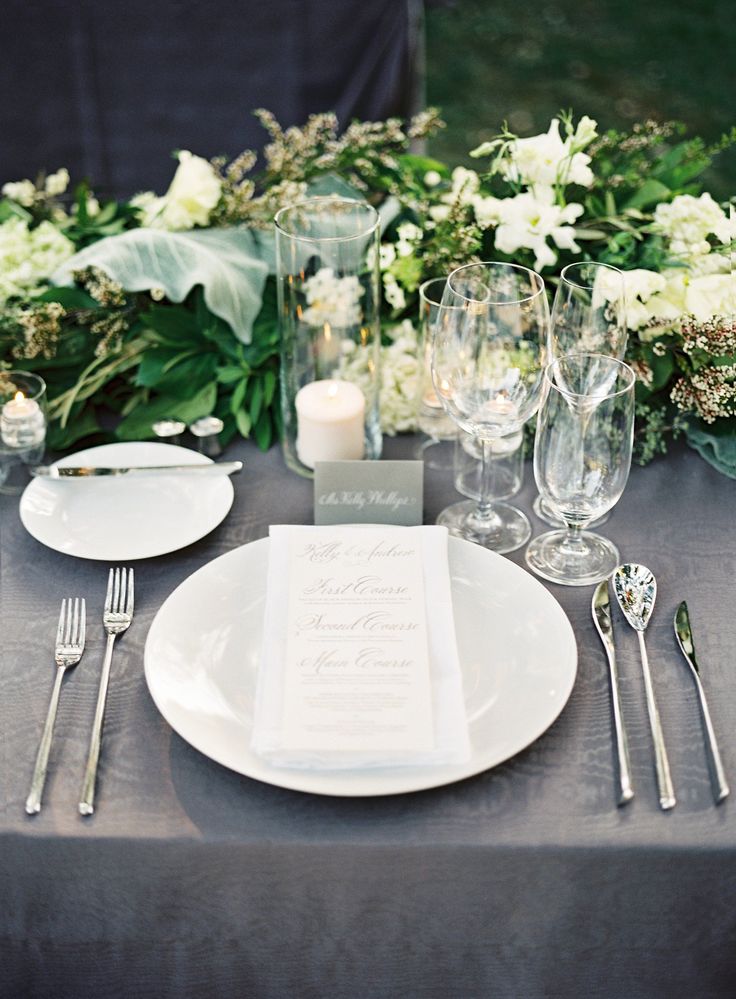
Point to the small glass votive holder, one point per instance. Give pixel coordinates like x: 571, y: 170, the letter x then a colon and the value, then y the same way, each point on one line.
x: 439, y: 431
x: 169, y: 431
x: 207, y: 430
x: 23, y: 422
x: 507, y: 456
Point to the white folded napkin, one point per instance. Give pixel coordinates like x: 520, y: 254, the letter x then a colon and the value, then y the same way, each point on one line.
x: 331, y: 699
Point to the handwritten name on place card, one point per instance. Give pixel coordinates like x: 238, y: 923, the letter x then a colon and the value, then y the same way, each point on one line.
x: 368, y: 492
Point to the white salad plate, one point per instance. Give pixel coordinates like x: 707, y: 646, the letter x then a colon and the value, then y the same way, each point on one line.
x: 121, y: 518
x: 516, y: 646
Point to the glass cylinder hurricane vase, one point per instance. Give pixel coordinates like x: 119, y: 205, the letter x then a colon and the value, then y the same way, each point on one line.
x: 329, y: 322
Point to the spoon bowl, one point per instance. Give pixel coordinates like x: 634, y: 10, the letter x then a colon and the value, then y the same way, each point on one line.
x: 636, y: 592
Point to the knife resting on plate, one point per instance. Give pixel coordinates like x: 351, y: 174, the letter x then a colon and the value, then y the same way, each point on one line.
x: 60, y: 472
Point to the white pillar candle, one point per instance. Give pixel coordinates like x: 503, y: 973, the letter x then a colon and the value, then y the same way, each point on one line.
x: 330, y: 422
x: 22, y: 423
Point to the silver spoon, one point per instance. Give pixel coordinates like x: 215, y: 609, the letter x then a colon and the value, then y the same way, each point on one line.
x: 636, y: 591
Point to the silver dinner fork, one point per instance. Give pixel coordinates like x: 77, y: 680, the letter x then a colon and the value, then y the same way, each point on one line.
x: 69, y: 648
x: 116, y: 618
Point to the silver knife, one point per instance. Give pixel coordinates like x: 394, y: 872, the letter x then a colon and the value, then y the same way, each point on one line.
x: 601, y: 609
x: 90, y: 472
x: 684, y: 636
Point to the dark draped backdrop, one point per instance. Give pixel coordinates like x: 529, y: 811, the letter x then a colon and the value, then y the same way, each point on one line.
x: 110, y: 89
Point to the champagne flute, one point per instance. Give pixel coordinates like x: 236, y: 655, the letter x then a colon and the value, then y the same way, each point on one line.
x: 436, y: 447
x: 588, y: 316
x: 582, y: 457
x: 488, y: 357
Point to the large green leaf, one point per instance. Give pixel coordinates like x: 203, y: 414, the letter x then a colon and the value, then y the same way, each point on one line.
x: 225, y: 262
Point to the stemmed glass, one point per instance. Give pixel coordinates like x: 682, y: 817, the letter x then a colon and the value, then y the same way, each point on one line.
x: 488, y: 356
x: 588, y: 315
x: 582, y: 457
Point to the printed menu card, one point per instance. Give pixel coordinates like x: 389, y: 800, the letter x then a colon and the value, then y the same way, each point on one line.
x: 359, y: 663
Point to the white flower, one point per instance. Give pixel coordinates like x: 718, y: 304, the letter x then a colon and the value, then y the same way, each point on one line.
x: 22, y: 192
x: 465, y: 184
x: 386, y: 255
x: 29, y: 256
x: 409, y: 234
x: 394, y: 292
x: 681, y: 292
x: 586, y: 131
x: 57, y: 183
x: 527, y: 220
x: 687, y: 222
x: 726, y: 230
x: 439, y: 212
x: 399, y: 378
x: 194, y: 193
x: 332, y: 300
x: 432, y: 178
x: 487, y: 211
x: 547, y: 160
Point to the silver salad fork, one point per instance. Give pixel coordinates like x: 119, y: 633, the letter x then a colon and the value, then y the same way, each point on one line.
x: 70, y: 636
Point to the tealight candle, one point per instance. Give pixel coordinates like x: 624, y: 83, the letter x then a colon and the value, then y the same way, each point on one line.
x: 330, y: 422
x: 22, y: 423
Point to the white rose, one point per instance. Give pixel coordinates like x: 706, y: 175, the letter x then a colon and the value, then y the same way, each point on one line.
x: 194, y: 192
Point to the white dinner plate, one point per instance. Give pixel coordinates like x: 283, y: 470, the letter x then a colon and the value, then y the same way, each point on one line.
x: 517, y: 653
x: 120, y: 519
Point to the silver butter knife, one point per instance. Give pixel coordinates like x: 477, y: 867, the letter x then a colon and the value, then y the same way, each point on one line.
x: 91, y: 472
x: 684, y: 636
x: 601, y: 608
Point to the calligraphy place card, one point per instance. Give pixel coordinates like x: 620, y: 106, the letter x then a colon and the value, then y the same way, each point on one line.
x: 368, y: 492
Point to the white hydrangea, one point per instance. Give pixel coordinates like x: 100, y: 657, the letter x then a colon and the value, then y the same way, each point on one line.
x: 528, y: 220
x: 190, y: 200
x: 399, y: 378
x: 29, y: 256
x: 333, y: 300
x: 687, y: 222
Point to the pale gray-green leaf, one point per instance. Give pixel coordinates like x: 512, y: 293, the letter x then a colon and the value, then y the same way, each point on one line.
x: 225, y: 262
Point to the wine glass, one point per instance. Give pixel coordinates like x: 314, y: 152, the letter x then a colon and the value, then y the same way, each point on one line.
x: 435, y: 448
x: 488, y: 356
x: 582, y: 457
x: 588, y: 315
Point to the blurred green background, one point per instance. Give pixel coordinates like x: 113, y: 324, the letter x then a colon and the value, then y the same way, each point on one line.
x: 619, y: 61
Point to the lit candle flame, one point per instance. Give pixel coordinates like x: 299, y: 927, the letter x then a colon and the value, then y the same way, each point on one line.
x: 332, y: 390
x: 18, y: 396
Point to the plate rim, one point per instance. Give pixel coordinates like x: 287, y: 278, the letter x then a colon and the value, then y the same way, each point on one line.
x: 420, y: 778
x: 115, y: 557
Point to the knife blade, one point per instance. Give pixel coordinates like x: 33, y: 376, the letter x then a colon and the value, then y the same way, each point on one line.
x: 601, y: 609
x: 61, y: 472
x: 684, y: 636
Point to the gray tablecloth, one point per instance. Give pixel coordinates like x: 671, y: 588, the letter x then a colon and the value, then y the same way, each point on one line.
x: 523, y: 882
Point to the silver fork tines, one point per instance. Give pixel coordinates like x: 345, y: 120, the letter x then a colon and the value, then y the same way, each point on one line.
x: 70, y: 636
x: 116, y: 618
